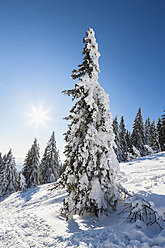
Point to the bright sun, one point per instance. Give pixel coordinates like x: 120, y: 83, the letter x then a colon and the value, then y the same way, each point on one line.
x: 39, y: 115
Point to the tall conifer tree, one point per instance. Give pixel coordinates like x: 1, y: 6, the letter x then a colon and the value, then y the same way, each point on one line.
x: 50, y: 165
x: 155, y: 145
x: 160, y: 132
x: 21, y: 182
x: 1, y: 163
x: 31, y: 166
x: 122, y: 140
x: 117, y: 149
x: 163, y: 131
x: 3, y: 180
x: 9, y: 175
x: 148, y: 131
x: 129, y: 141
x: 91, y: 164
x: 138, y: 134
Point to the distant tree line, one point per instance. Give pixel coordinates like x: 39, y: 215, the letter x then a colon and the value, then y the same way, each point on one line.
x: 34, y: 171
x: 146, y: 138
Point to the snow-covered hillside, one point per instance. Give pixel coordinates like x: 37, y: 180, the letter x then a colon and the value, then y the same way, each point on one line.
x: 32, y: 219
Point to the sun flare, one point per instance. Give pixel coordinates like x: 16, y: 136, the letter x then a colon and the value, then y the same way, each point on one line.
x: 39, y: 116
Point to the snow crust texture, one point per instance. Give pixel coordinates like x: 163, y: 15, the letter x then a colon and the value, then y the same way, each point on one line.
x: 32, y: 219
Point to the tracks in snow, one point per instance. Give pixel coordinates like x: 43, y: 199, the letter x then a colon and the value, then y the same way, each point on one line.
x: 24, y: 229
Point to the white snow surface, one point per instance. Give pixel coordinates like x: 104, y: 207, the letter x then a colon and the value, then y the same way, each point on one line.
x: 32, y: 219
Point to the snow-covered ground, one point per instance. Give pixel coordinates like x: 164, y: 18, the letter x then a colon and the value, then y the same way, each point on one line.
x: 32, y: 219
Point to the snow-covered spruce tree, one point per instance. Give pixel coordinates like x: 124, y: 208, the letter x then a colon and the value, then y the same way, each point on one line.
x: 160, y: 132
x: 163, y: 131
x: 138, y: 134
x: 130, y: 153
x: 148, y: 146
x: 129, y: 141
x: 117, y: 149
x: 91, y: 163
x: 31, y: 166
x: 1, y: 164
x: 21, y: 182
x: 50, y: 164
x: 154, y: 141
x: 9, y: 175
x: 148, y: 131
x: 2, y: 175
x: 122, y: 140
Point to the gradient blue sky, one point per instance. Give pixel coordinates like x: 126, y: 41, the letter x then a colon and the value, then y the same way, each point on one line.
x: 41, y: 43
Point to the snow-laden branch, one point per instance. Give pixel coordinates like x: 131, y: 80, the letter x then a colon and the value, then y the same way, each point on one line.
x: 139, y: 209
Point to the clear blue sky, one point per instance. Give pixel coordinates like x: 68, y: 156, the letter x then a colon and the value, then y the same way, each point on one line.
x: 40, y: 45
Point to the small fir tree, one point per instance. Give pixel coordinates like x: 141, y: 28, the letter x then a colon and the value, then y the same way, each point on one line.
x: 148, y: 131
x: 2, y: 175
x: 122, y: 140
x: 1, y: 164
x: 31, y: 166
x: 163, y: 132
x: 154, y: 138
x: 148, y: 146
x: 91, y: 164
x: 160, y: 132
x: 128, y: 140
x: 117, y: 149
x: 21, y: 182
x: 50, y: 164
x: 9, y: 175
x: 138, y: 134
